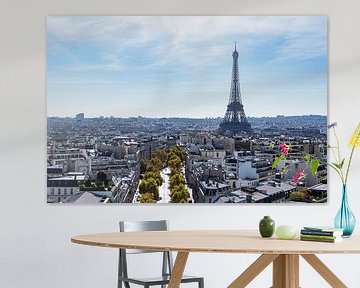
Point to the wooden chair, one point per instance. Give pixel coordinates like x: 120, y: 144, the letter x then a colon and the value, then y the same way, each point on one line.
x: 167, y: 262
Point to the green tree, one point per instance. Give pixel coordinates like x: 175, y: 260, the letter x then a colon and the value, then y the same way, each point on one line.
x: 178, y: 151
x: 101, y: 177
x: 172, y: 155
x: 300, y: 196
x: 147, y: 198
x: 155, y: 175
x: 87, y: 183
x: 175, y: 163
x: 149, y: 186
x: 161, y: 155
x: 156, y: 163
x: 176, y: 180
x: 143, y: 187
x: 143, y: 166
x: 174, y: 172
x: 179, y: 194
x: 151, y: 168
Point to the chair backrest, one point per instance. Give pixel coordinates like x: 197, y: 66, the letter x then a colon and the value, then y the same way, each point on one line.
x: 132, y: 226
x: 135, y: 226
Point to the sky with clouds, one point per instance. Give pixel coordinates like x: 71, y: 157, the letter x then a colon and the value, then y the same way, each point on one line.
x: 180, y: 66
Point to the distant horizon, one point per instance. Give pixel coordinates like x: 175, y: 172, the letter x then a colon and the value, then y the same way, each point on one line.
x: 177, y: 117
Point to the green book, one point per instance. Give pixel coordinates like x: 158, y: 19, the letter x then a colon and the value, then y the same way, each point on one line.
x: 325, y: 240
x: 319, y: 236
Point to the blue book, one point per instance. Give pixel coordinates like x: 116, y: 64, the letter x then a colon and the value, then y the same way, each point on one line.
x: 322, y: 231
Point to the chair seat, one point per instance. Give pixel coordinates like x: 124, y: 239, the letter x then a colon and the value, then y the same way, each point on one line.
x: 167, y: 262
x: 158, y: 280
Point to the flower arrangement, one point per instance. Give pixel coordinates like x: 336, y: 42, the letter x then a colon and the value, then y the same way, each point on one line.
x: 344, y: 219
x: 339, y: 163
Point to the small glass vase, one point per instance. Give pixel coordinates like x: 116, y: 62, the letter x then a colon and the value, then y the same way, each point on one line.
x: 345, y: 219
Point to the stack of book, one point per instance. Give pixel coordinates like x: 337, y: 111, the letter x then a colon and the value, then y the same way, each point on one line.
x: 321, y: 234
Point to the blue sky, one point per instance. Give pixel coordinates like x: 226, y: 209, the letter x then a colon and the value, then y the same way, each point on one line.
x: 180, y: 66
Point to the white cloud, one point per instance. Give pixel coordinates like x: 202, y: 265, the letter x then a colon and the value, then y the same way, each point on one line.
x: 192, y: 40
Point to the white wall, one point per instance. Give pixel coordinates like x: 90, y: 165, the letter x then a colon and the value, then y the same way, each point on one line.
x: 35, y: 248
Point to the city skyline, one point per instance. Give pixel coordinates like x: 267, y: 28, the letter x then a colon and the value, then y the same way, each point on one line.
x: 123, y: 66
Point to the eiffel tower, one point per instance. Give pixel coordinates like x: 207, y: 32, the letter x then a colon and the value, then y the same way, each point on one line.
x: 235, y: 122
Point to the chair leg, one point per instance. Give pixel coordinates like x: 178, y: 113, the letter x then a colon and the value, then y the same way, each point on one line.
x: 165, y: 266
x: 120, y: 273
x: 122, y: 270
x: 201, y: 283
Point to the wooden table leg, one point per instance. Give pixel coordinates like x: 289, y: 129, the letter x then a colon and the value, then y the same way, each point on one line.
x: 293, y: 261
x: 253, y: 270
x: 279, y: 269
x: 324, y: 271
x: 286, y: 271
x: 178, y: 270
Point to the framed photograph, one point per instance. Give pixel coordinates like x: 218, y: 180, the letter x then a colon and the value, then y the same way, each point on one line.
x: 186, y: 109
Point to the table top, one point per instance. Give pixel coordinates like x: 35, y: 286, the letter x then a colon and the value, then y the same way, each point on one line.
x: 217, y: 241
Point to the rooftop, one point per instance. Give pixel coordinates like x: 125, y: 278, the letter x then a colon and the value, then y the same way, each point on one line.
x: 231, y: 197
x: 213, y: 184
x: 86, y: 197
x: 272, y: 187
x: 70, y: 177
x: 319, y: 187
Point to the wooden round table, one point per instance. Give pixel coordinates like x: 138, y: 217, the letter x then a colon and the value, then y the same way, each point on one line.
x: 284, y: 254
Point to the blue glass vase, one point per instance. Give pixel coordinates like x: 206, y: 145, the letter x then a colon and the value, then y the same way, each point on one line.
x: 345, y: 219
